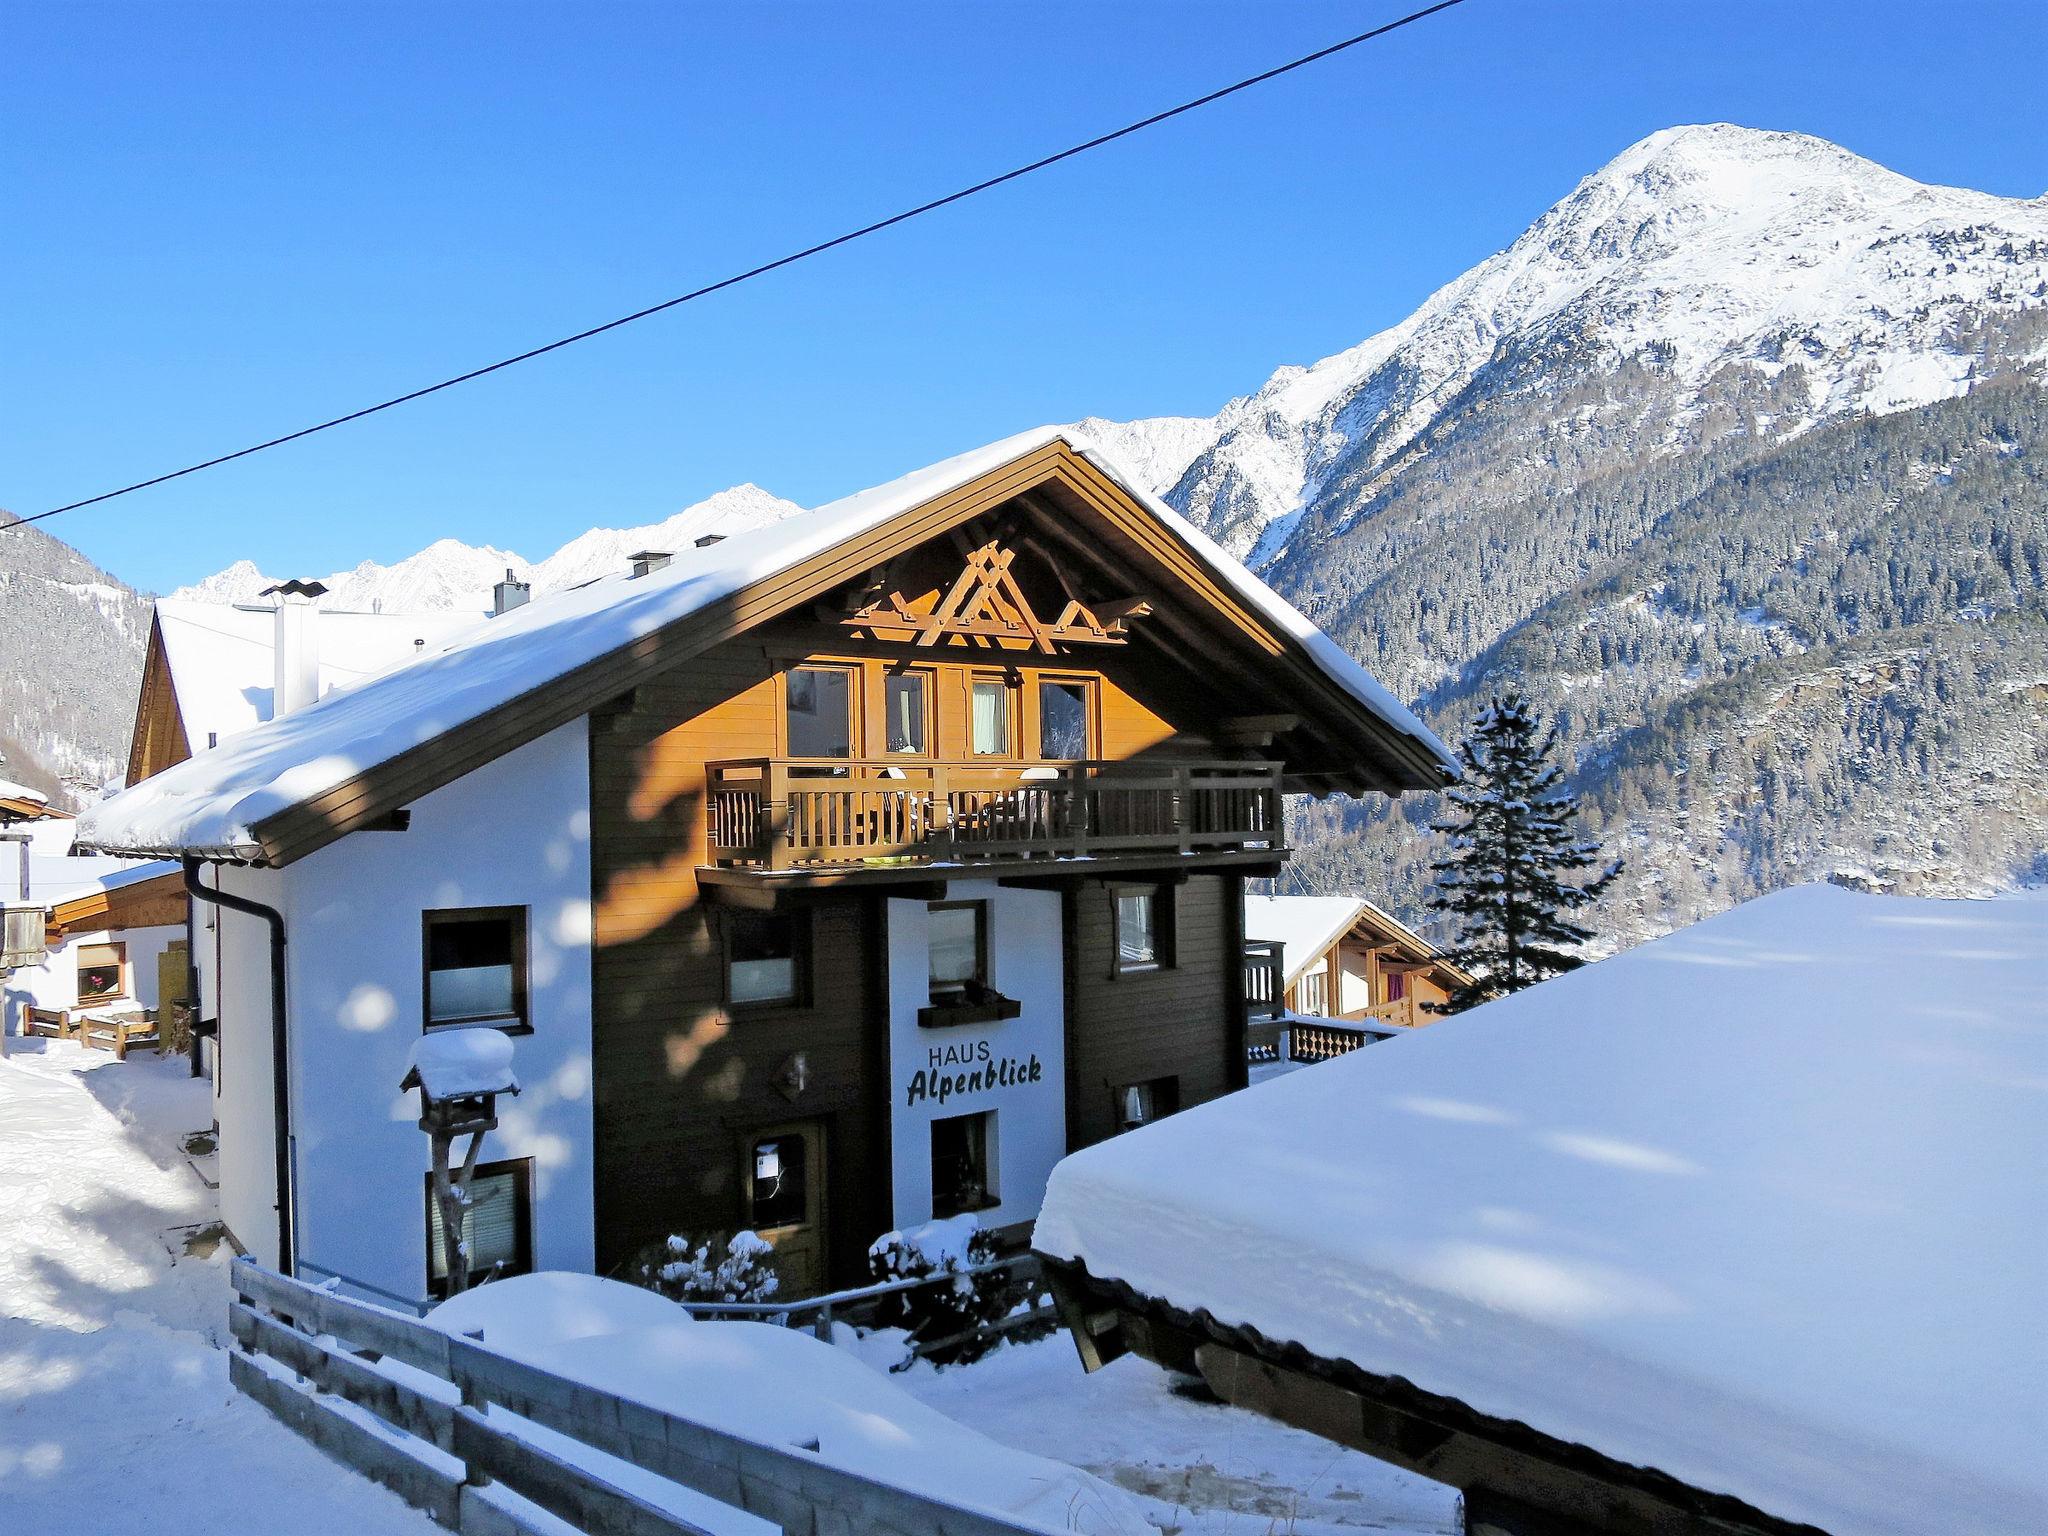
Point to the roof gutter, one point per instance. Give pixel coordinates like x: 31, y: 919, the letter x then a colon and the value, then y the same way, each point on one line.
x: 280, y: 1067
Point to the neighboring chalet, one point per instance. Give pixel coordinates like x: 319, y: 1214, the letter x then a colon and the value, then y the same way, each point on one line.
x: 113, y: 931
x: 830, y: 877
x: 1346, y: 971
x: 1731, y: 1233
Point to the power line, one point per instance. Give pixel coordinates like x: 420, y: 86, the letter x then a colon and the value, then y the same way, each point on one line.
x: 766, y: 267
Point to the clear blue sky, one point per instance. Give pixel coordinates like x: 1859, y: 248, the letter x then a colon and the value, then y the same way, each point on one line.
x: 227, y: 220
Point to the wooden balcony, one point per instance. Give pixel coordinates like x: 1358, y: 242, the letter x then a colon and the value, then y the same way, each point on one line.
x: 791, y: 814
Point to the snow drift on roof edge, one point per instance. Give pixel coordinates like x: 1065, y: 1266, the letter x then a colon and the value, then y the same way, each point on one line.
x: 213, y: 802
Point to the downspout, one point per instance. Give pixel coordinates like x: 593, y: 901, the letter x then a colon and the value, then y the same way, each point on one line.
x: 280, y: 1074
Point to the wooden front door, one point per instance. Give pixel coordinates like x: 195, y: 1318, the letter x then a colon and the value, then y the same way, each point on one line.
x: 784, y: 1179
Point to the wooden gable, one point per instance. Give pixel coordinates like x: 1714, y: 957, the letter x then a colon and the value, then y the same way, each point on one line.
x: 159, y: 738
x: 1268, y: 690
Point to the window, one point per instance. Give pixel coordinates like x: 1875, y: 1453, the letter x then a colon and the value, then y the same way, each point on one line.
x: 497, y: 1227
x: 764, y: 954
x: 1144, y: 927
x: 102, y: 971
x: 1141, y: 1103
x: 778, y: 1188
x: 1397, y: 986
x: 906, y: 701
x: 962, y: 1176
x: 989, y: 722
x: 818, y: 711
x: 476, y: 967
x: 958, y: 935
x: 1063, y: 720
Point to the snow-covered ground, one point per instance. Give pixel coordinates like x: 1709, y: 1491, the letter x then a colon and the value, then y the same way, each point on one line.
x: 1200, y: 1467
x: 116, y: 1413
x: 115, y: 1409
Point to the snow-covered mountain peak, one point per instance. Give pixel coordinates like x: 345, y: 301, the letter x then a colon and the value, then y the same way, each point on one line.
x: 451, y: 574
x: 1700, y: 249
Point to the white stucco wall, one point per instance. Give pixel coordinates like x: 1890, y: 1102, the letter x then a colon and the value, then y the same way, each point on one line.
x: 1354, y: 982
x: 54, y: 983
x: 242, y: 1091
x: 1025, y: 963
x: 513, y: 833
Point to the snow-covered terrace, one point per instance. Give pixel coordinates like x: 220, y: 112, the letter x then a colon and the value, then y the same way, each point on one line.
x: 1759, y: 1205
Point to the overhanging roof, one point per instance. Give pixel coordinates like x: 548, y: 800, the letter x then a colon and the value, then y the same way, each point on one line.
x: 285, y: 789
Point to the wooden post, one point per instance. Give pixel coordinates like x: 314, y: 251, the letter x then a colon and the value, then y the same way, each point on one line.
x: 775, y: 813
x: 1183, y: 805
x: 1079, y: 814
x: 943, y: 844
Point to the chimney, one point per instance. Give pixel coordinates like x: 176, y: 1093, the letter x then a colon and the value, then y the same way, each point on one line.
x: 295, y: 652
x: 649, y: 560
x: 706, y: 540
x: 509, y: 594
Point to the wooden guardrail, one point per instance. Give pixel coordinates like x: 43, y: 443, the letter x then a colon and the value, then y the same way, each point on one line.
x: 1265, y: 978
x: 781, y: 813
x: 309, y: 1356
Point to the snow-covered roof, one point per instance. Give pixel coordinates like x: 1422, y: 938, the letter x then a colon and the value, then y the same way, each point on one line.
x: 461, y: 1063
x: 214, y: 801
x: 54, y: 880
x: 222, y: 658
x: 1303, y: 926
x: 1758, y: 1205
x: 9, y: 790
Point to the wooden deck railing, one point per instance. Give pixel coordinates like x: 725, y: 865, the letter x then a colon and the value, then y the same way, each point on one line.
x: 1265, y: 979
x: 789, y: 813
x: 311, y: 1358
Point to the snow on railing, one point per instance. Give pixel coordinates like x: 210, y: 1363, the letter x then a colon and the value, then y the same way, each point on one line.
x: 313, y: 1359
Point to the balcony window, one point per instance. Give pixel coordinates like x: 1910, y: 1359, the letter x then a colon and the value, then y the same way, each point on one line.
x: 764, y: 954
x: 818, y: 711
x: 476, y: 967
x: 1063, y: 721
x: 497, y: 1229
x: 989, y: 717
x: 963, y: 1176
x: 906, y: 700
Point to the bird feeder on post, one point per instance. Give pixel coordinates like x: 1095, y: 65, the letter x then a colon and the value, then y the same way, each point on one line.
x: 459, y: 1073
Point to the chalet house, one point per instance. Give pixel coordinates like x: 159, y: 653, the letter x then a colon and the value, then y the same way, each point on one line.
x: 1341, y: 958
x: 830, y: 877
x: 113, y: 930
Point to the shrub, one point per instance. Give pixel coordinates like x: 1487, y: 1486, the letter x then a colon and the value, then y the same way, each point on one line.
x: 941, y: 1311
x: 709, y: 1268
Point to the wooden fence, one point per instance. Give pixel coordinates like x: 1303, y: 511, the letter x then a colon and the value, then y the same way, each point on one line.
x: 309, y: 1356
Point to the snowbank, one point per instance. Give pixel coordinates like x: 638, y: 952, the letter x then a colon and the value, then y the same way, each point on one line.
x: 778, y: 1386
x: 460, y: 1062
x: 213, y: 802
x: 1758, y: 1204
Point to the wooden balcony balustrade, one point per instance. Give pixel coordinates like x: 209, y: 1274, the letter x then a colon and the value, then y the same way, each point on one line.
x: 796, y: 813
x: 1265, y: 978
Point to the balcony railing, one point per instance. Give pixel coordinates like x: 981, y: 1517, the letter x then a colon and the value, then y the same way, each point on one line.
x: 1265, y: 978
x: 793, y: 813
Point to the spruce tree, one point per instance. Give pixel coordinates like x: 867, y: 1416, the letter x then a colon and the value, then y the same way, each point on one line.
x: 1514, y: 873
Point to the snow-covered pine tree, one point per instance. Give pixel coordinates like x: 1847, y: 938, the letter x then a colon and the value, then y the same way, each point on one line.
x: 1515, y: 870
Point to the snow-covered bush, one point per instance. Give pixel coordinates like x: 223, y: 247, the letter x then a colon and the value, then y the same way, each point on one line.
x: 713, y: 1267
x: 940, y: 1311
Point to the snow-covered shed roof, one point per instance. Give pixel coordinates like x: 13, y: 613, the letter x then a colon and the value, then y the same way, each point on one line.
x: 217, y: 802
x: 222, y: 660
x: 20, y: 803
x: 1758, y: 1205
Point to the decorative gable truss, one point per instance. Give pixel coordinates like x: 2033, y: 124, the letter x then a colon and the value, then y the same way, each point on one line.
x: 983, y: 604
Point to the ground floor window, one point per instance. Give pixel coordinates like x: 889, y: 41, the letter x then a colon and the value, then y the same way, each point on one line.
x: 764, y: 958
x: 1141, y: 1103
x: 497, y: 1228
x: 963, y: 1173
x: 779, y: 1182
x: 102, y: 970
